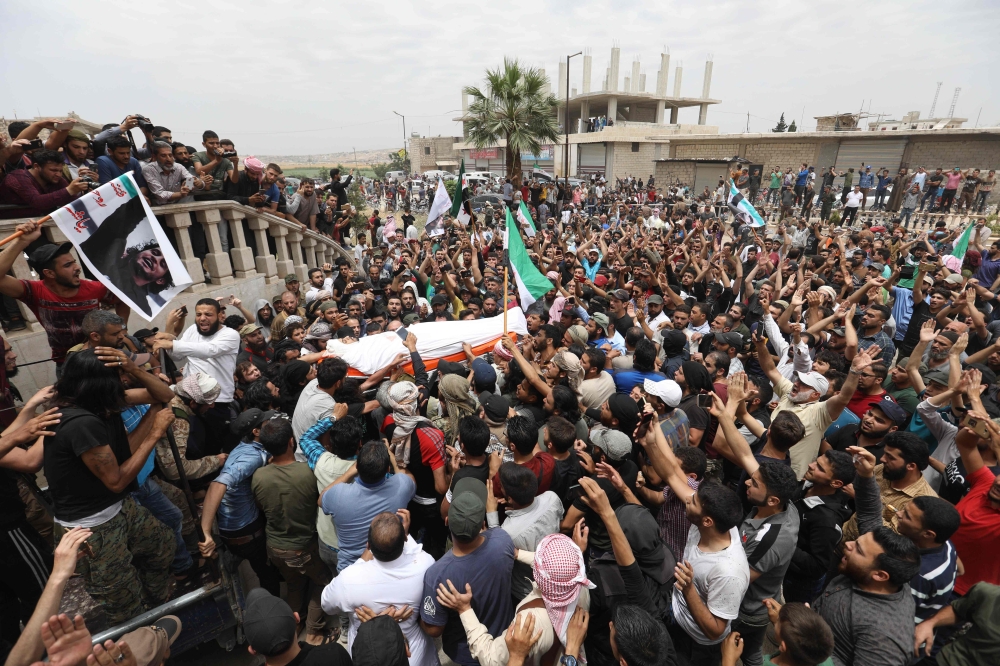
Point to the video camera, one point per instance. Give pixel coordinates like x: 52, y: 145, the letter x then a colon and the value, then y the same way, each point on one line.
x: 145, y: 124
x: 91, y: 183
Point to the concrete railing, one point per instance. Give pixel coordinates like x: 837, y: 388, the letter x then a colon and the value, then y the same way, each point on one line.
x: 263, y: 249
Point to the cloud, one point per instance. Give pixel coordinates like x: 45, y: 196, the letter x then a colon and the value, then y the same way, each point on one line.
x: 297, y: 78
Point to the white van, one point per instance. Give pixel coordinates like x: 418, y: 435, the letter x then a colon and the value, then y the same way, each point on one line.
x: 398, y: 176
x: 434, y: 174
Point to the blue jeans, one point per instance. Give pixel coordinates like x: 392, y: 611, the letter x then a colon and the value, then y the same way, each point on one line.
x: 153, y: 500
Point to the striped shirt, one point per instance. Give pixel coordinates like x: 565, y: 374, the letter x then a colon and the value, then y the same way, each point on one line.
x: 933, y: 586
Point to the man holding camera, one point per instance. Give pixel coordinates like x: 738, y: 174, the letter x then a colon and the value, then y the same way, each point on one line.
x: 216, y: 163
x: 169, y: 182
x: 42, y: 188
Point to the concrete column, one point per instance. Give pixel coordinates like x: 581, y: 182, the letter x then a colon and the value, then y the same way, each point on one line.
x: 642, y: 82
x: 216, y: 261
x: 285, y: 264
x: 309, y: 247
x: 180, y: 222
x: 673, y: 115
x: 613, y: 70
x: 677, y: 80
x: 240, y: 253
x: 561, y: 93
x: 660, y: 108
x: 548, y: 83
x: 299, y: 266
x: 627, y: 84
x: 661, y: 76
x: 702, y: 114
x: 635, y: 77
x: 613, y: 108
x: 584, y: 113
x: 708, y: 80
x: 587, y: 64
x: 264, y: 261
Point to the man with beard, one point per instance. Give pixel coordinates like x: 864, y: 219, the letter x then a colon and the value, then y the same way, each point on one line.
x: 802, y: 396
x: 869, y: 389
x: 255, y: 348
x: 899, y: 477
x: 694, y: 379
x: 544, y: 345
x: 867, y: 605
x: 60, y: 299
x: 320, y: 284
x: 713, y: 575
x: 287, y: 306
x: 41, y: 188
x: 881, y: 417
x: 770, y: 488
x: 210, y: 348
x: 940, y: 348
x: 168, y: 181
x: 491, y: 305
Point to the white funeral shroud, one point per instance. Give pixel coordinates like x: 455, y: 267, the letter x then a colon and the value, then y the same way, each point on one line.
x: 435, y: 341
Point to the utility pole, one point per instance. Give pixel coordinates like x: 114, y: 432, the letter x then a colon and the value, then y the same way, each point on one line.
x: 566, y: 127
x: 404, y: 133
x: 355, y: 156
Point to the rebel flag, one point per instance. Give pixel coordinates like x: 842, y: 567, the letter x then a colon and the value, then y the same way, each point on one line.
x: 742, y: 209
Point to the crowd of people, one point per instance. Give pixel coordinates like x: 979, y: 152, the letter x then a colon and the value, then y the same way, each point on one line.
x: 716, y: 442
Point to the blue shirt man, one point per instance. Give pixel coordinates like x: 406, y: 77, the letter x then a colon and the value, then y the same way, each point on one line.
x: 238, y: 508
x: 866, y: 178
x: 108, y: 170
x: 803, y: 177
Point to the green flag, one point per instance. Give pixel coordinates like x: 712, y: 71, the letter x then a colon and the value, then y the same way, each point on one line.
x: 531, y: 284
x: 456, y: 204
x: 962, y: 244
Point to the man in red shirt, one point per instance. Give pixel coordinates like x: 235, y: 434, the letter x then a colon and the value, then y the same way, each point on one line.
x: 61, y: 299
x: 978, y: 537
x: 41, y: 188
x: 869, y: 389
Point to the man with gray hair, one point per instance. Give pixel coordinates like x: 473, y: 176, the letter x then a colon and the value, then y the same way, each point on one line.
x: 169, y: 182
x: 103, y: 328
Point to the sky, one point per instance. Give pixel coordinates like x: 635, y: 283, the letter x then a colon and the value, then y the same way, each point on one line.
x: 294, y: 78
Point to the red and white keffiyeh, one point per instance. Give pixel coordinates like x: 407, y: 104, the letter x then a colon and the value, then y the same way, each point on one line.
x: 560, y: 574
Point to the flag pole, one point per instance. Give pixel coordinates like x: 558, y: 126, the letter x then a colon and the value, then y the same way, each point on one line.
x: 506, y: 299
x: 18, y: 234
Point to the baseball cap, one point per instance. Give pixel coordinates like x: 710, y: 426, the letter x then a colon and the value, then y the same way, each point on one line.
x: 468, y: 508
x: 954, y: 278
x: 655, y: 298
x: 989, y: 377
x: 731, y: 338
x: 291, y: 277
x: 877, y: 267
x: 928, y: 279
x: 439, y: 299
x: 411, y: 318
x: 149, y: 644
x: 249, y: 419
x: 666, y: 390
x: 268, y: 623
x: 601, y: 319
x: 144, y: 333
x: 483, y: 372
x: 891, y: 409
x: 247, y: 329
x: 47, y: 253
x: 781, y: 303
x: 816, y: 381
x: 620, y: 294
x: 496, y: 406
x: 600, y: 280
x: 937, y: 376
x: 839, y: 331
x: 615, y: 444
x: 446, y: 367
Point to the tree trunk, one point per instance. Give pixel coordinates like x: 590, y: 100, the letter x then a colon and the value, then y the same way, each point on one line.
x: 513, y: 166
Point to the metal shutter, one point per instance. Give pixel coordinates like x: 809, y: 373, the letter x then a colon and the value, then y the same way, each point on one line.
x: 885, y: 154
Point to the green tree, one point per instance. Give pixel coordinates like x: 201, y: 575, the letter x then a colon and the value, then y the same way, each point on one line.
x: 516, y: 107
x: 322, y: 173
x: 792, y: 127
x: 450, y: 186
x: 398, y: 163
x: 381, y: 168
x: 781, y: 126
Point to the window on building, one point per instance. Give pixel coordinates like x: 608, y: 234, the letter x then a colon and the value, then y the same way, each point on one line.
x: 635, y: 147
x: 427, y: 150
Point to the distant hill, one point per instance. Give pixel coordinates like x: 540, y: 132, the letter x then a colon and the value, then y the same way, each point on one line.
x: 347, y: 158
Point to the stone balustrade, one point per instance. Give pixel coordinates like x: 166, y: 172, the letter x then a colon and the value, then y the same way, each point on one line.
x: 262, y: 250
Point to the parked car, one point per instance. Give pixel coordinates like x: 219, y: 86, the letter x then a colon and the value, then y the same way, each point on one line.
x: 479, y: 202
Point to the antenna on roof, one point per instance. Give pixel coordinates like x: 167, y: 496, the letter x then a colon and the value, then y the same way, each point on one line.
x: 934, y: 103
x: 954, y: 101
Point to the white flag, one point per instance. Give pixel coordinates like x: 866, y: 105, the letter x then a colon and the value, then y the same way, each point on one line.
x: 441, y: 206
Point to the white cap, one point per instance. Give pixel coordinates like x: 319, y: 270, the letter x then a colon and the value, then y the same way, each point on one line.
x: 666, y: 390
x: 816, y: 381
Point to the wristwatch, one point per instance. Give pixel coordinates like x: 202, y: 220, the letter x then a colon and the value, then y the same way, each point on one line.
x: 568, y: 660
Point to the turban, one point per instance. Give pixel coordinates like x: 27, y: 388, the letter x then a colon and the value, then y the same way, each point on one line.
x: 570, y: 364
x: 201, y: 388
x: 252, y: 164
x: 501, y: 352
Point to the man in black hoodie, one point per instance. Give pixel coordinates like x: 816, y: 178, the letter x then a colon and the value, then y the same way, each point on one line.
x: 823, y: 508
x: 380, y: 642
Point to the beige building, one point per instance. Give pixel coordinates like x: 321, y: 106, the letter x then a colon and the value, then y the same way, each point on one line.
x: 83, y: 125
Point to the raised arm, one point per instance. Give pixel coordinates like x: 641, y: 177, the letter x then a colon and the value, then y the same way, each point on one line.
x: 663, y: 460
x: 836, y: 404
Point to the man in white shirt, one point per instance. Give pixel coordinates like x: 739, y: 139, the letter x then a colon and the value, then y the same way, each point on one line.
x: 919, y: 178
x: 210, y: 348
x: 320, y: 281
x: 851, y: 205
x: 655, y: 316
x: 390, y: 573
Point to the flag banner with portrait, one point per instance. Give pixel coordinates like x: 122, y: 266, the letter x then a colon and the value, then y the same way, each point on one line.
x: 440, y: 208
x: 119, y: 239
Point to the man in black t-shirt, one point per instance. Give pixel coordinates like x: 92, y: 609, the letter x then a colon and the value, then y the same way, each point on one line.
x: 91, y: 469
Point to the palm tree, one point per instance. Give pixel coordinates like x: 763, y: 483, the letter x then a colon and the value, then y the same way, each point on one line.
x: 515, y: 106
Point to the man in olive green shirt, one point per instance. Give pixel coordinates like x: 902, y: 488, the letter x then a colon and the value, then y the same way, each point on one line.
x: 848, y: 184
x: 286, y: 492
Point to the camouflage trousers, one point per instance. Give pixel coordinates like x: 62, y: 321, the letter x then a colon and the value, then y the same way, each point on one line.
x: 129, y: 571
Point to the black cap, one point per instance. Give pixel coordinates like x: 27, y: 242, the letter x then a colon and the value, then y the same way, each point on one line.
x: 268, y: 623
x: 46, y: 253
x: 144, y: 333
x: 249, y: 419
x: 451, y: 368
